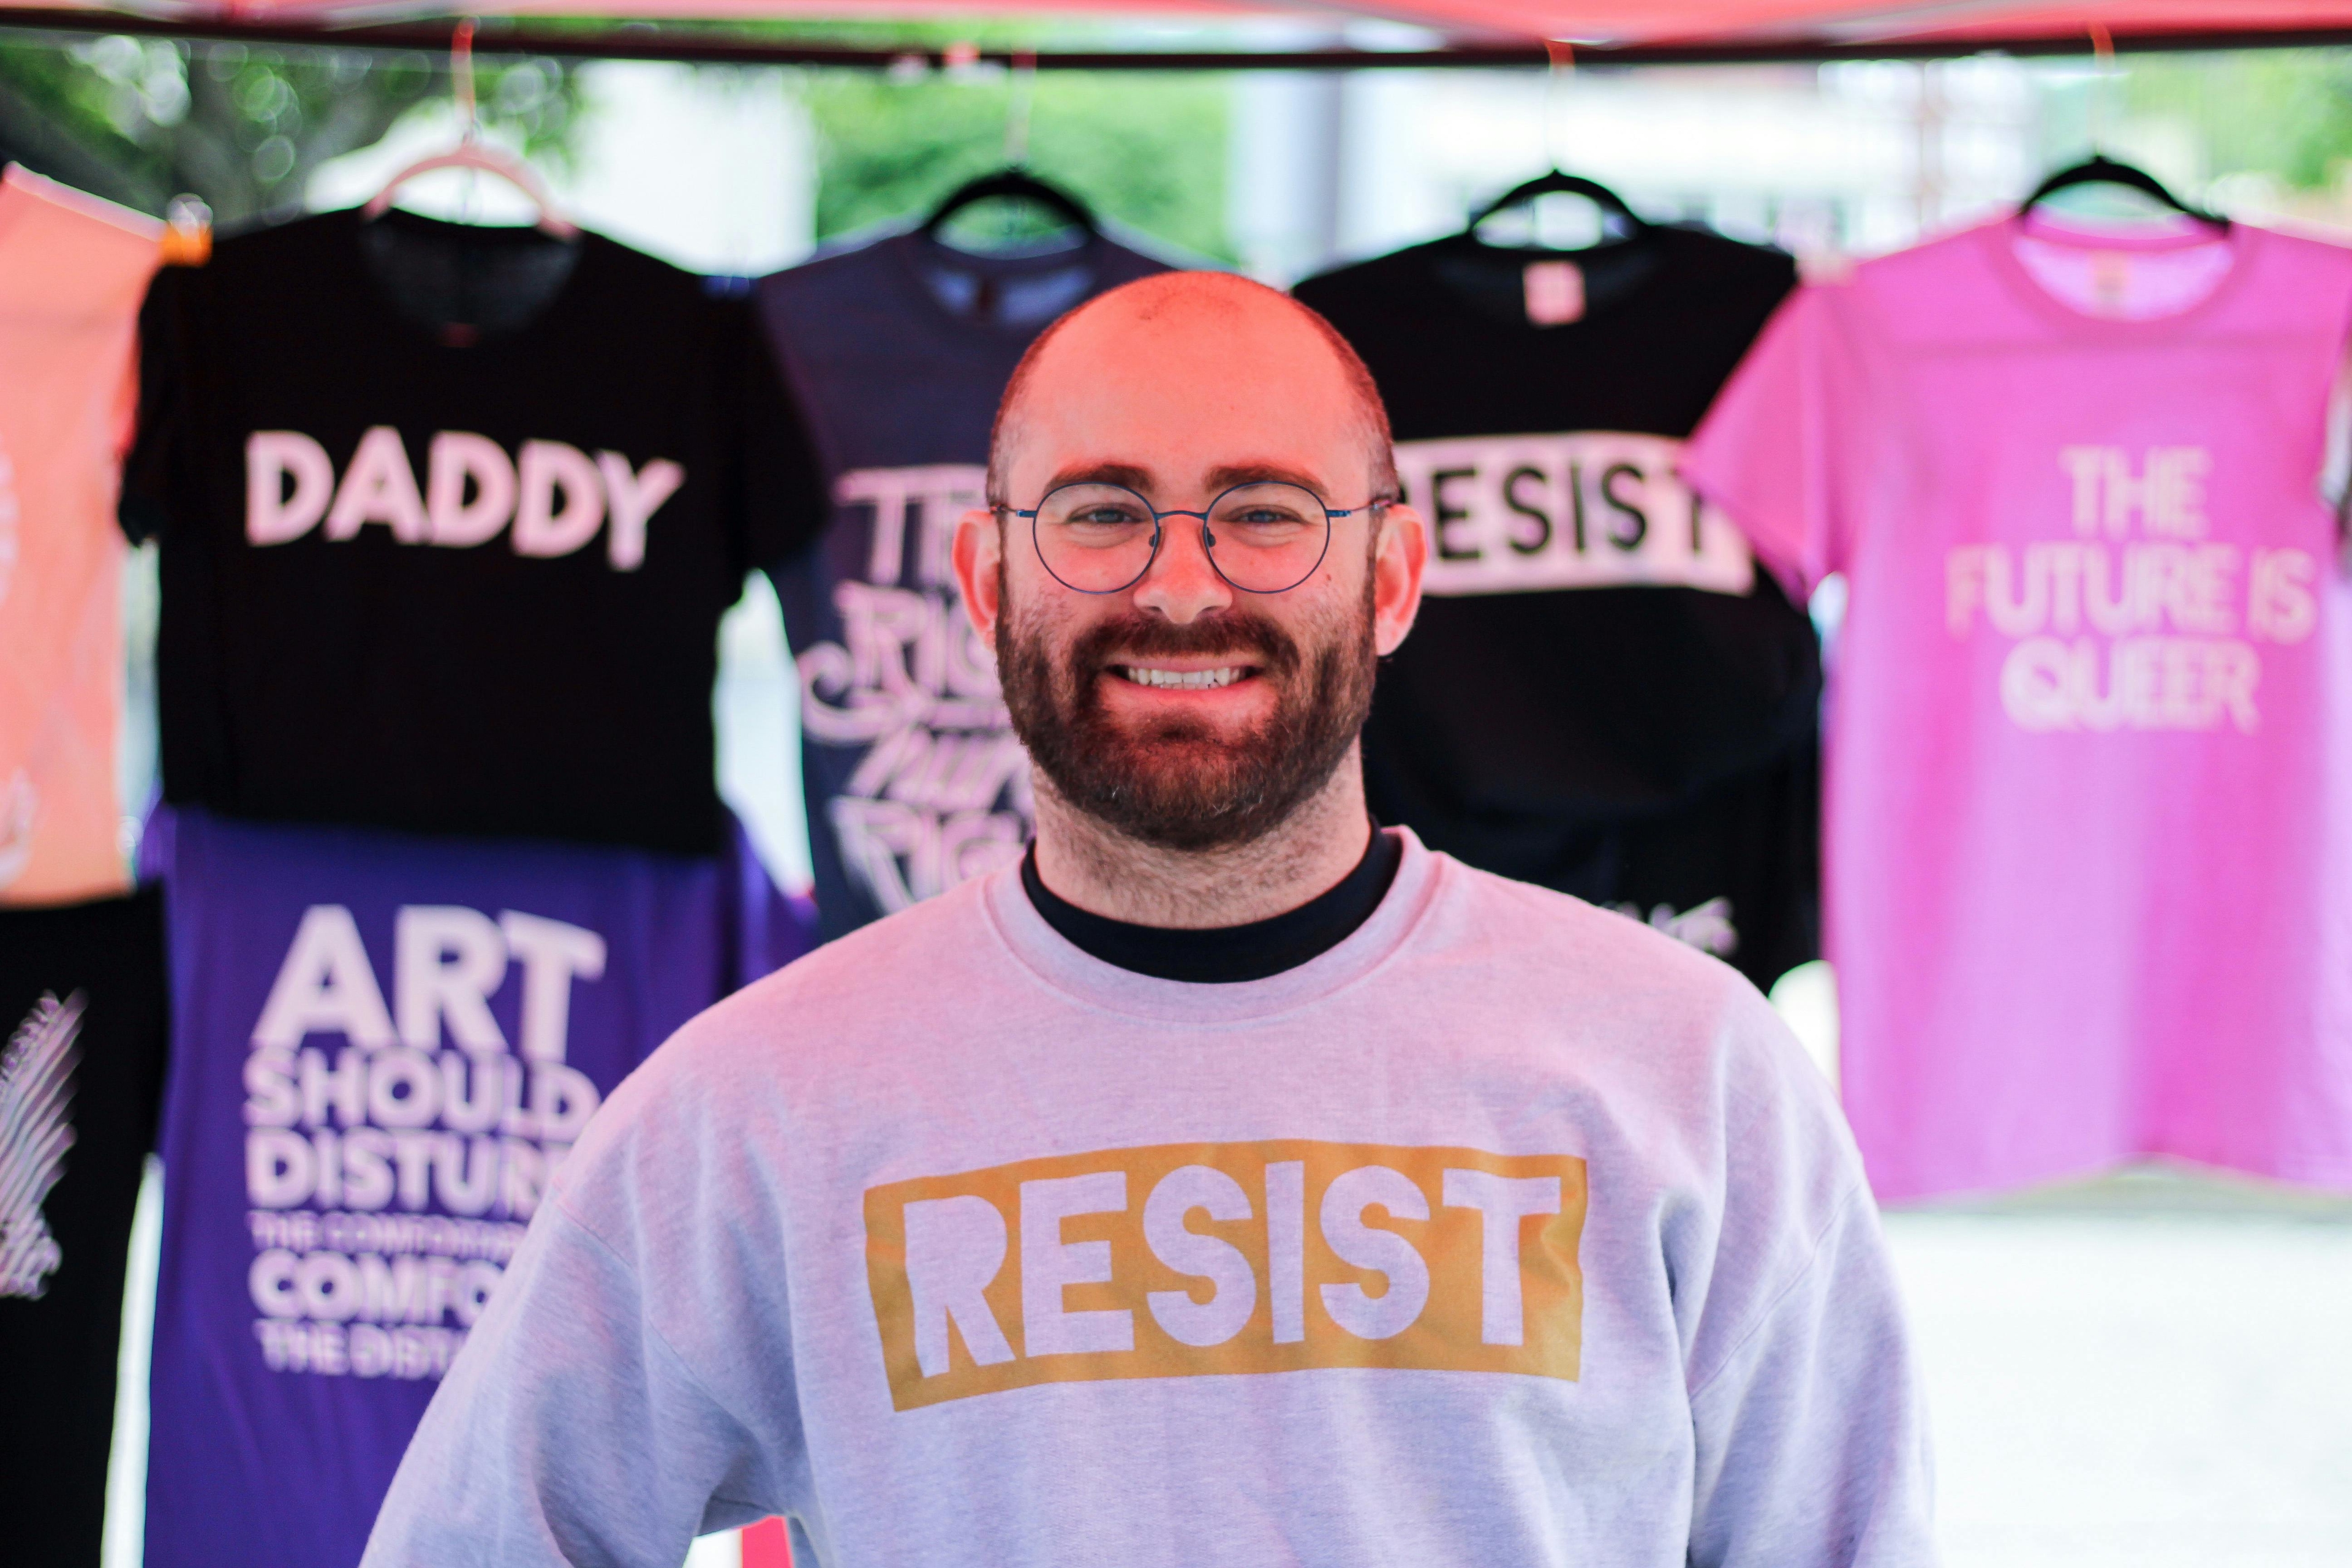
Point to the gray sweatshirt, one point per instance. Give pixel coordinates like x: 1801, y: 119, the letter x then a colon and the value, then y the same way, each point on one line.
x: 1506, y: 1232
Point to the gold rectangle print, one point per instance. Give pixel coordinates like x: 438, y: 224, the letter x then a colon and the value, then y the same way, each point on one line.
x: 1185, y: 1260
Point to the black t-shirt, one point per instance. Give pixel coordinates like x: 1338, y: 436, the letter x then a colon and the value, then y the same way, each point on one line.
x: 82, y: 1030
x: 448, y: 518
x: 1604, y: 693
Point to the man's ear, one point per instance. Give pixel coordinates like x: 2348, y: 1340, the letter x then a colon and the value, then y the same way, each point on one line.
x: 1399, y: 555
x: 979, y: 555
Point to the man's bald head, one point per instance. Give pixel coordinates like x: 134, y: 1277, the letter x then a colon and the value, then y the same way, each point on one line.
x: 1262, y: 332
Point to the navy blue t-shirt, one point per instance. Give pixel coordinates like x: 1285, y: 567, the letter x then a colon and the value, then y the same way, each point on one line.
x: 898, y: 350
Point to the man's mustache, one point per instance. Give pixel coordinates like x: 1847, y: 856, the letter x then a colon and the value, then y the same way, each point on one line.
x: 1174, y: 781
x: 1241, y: 634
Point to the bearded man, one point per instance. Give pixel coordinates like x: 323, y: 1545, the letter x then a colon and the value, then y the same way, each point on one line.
x: 1233, y: 1182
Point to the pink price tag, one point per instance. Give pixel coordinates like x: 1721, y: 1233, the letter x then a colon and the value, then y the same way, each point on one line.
x: 1555, y: 292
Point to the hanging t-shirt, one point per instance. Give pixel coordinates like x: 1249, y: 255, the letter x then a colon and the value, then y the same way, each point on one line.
x: 1601, y: 694
x: 1504, y: 1231
x: 898, y: 351
x: 72, y: 268
x: 449, y: 517
x: 82, y: 1030
x: 2090, y: 783
x: 383, y: 1047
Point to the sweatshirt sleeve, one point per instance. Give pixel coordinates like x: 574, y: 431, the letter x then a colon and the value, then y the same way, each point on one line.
x: 1809, y: 1437
x: 626, y: 1390
x: 1811, y: 1441
x: 568, y: 1432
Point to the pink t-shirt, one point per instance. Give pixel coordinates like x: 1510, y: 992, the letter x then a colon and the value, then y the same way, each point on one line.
x: 72, y: 270
x: 2089, y: 847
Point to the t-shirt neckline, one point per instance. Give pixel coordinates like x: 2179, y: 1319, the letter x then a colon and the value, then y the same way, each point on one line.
x: 1458, y: 311
x: 1227, y: 955
x: 1999, y: 241
x: 401, y: 325
x: 912, y: 247
x: 1064, y: 967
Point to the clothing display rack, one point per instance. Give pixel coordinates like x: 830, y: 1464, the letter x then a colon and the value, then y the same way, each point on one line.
x: 730, y: 43
x: 1964, y: 615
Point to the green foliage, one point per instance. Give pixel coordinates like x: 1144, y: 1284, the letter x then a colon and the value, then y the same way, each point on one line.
x: 2286, y: 112
x: 1147, y: 150
x: 143, y: 120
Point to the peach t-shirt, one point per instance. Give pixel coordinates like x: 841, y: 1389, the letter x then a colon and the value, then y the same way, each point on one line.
x: 72, y: 271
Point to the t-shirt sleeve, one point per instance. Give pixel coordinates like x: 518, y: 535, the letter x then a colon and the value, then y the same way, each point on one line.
x: 1809, y: 1433
x: 148, y: 466
x: 786, y: 503
x: 1775, y: 451
x: 597, y: 1412
x: 2336, y: 468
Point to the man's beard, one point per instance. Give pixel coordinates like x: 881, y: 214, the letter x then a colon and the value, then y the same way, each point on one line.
x: 1176, y: 783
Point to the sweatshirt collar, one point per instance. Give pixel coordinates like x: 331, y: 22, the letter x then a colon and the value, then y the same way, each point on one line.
x: 1061, y: 966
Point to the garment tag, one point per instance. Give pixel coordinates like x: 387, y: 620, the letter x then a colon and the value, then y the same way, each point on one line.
x: 1555, y: 292
x: 2111, y: 281
x: 2121, y: 285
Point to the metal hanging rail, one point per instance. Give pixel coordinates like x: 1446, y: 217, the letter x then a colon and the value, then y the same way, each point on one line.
x: 711, y: 46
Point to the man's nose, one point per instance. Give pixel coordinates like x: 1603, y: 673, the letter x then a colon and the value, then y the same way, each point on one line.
x: 1181, y: 584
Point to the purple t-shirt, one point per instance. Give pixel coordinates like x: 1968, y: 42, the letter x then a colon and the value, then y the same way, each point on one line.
x: 383, y: 1047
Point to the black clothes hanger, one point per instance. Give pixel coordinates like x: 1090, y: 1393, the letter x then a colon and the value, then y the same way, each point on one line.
x: 1014, y: 185
x: 983, y: 291
x: 2099, y: 169
x: 1490, y: 279
x: 1615, y: 214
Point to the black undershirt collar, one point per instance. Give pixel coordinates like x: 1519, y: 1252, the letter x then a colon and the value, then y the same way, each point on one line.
x: 1225, y: 955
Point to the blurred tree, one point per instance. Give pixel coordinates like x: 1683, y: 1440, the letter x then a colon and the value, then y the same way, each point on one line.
x: 141, y: 121
x: 2286, y: 113
x: 1147, y: 150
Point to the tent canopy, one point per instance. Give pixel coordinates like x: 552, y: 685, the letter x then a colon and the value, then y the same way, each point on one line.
x: 1476, y: 31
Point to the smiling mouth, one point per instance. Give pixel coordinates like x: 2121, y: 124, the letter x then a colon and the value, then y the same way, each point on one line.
x: 1165, y: 680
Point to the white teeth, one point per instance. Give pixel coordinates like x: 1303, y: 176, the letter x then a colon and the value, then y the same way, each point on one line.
x: 1181, y: 679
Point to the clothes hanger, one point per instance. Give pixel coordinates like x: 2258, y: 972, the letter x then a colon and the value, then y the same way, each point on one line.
x: 1014, y: 185
x: 472, y: 152
x: 187, y: 232
x: 1619, y: 223
x: 1615, y: 214
x: 1013, y: 182
x: 2099, y: 169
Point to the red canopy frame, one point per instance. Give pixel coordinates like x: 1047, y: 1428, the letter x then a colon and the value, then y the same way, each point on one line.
x: 1483, y: 33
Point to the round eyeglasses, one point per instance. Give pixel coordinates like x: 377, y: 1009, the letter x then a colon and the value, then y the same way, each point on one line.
x: 1267, y: 537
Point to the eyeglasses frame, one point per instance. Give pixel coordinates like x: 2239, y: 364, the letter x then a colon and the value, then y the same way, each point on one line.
x: 1208, y: 549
